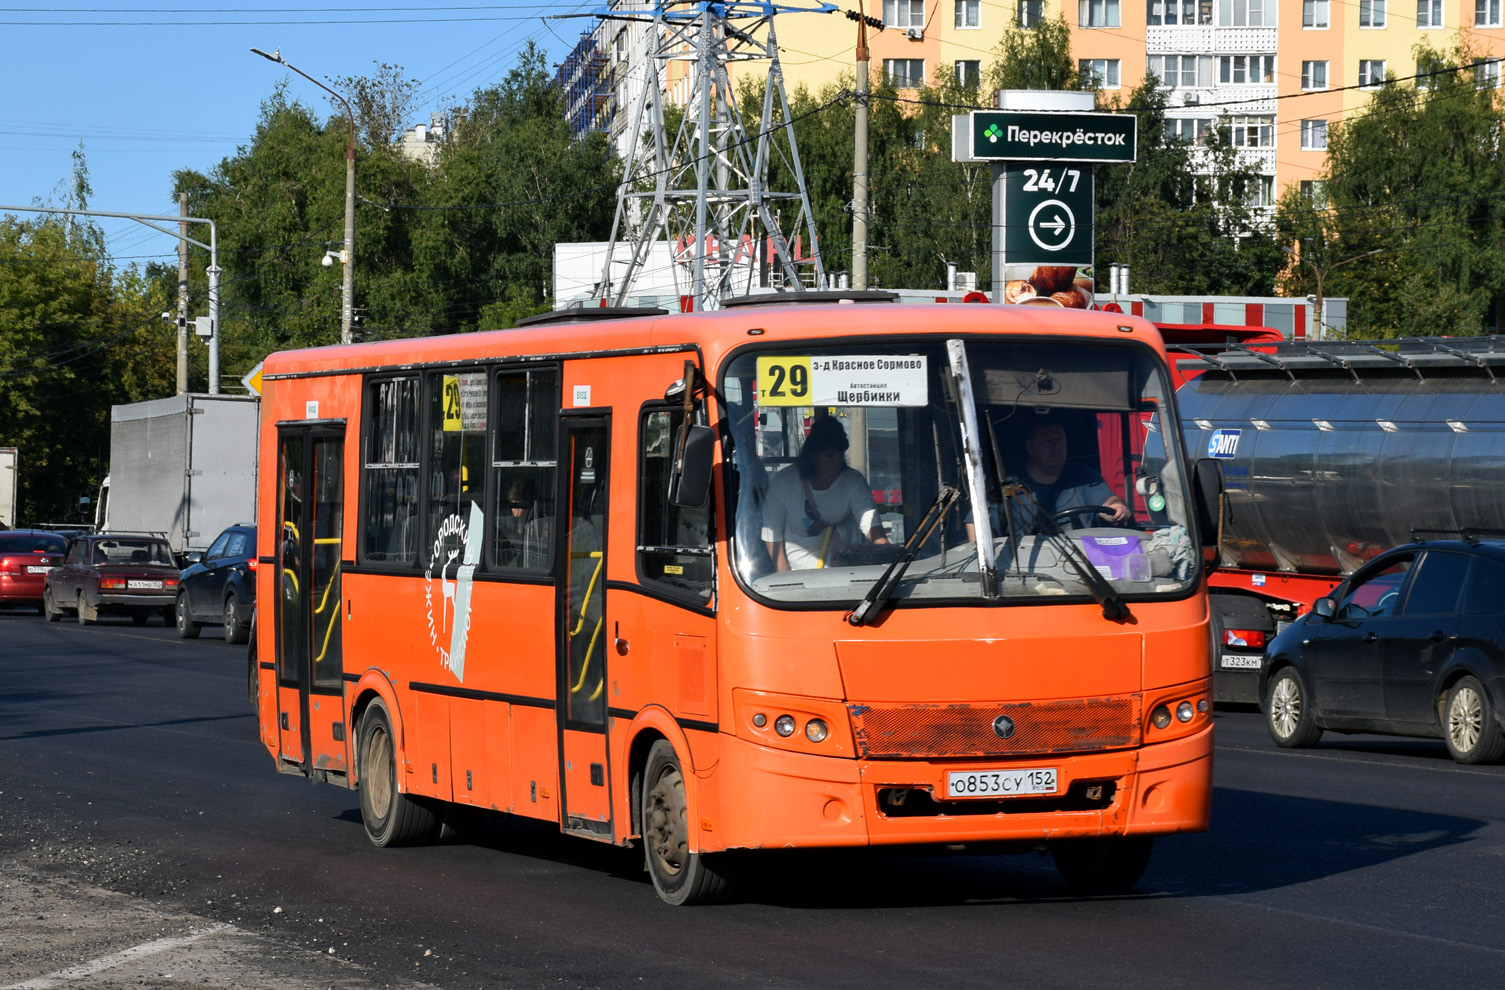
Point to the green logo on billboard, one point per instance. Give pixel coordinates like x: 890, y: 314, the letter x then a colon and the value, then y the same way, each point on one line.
x: 993, y: 133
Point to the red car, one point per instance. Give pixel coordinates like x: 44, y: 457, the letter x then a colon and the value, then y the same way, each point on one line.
x: 26, y: 555
x: 113, y: 574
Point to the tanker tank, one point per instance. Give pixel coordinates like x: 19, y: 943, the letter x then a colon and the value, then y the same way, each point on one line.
x: 1330, y: 453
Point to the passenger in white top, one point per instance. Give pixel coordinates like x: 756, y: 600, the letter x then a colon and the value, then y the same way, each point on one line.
x: 818, y: 504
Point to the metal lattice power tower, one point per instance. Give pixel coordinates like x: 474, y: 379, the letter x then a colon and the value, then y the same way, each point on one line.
x: 705, y: 192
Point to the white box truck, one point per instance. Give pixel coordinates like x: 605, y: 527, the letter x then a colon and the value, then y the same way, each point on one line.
x: 9, y: 475
x: 183, y: 466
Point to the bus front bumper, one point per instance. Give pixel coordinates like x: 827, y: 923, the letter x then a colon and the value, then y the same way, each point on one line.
x: 785, y: 799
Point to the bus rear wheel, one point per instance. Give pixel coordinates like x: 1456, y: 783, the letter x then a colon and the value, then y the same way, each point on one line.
x: 679, y: 875
x: 1106, y: 865
x: 391, y: 817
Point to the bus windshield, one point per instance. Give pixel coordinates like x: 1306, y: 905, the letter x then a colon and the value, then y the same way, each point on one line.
x: 845, y: 458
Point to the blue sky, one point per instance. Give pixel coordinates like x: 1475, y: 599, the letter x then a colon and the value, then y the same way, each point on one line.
x: 150, y: 87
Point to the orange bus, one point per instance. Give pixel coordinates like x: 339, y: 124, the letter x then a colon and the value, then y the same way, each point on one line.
x: 771, y: 576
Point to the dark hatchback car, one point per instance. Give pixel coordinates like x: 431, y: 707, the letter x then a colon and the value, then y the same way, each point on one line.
x: 113, y: 574
x: 26, y: 555
x: 1412, y: 644
x: 220, y: 587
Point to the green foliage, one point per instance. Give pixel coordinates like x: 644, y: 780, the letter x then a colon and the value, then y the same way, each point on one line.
x: 1416, y: 177
x: 1182, y: 234
x: 1035, y: 58
x: 77, y: 337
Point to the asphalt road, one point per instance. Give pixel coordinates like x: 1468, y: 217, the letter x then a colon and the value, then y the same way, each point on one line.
x: 146, y: 840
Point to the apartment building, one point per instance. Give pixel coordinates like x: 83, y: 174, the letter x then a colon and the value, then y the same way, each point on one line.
x: 1278, y: 73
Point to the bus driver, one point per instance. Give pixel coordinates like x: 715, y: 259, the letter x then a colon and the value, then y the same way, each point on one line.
x: 818, y: 504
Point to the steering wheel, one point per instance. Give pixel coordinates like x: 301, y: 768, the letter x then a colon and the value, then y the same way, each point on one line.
x: 1079, y: 510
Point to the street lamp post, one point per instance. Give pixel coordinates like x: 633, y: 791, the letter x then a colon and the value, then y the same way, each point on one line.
x: 1320, y: 271
x: 347, y: 256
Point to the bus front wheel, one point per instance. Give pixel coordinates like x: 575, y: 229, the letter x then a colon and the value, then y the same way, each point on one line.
x: 679, y: 875
x: 1106, y: 865
x: 391, y: 817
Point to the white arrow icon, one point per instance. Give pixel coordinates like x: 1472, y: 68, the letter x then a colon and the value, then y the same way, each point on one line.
x: 1061, y: 229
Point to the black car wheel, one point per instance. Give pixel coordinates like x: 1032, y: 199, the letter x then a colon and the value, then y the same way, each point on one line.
x: 49, y: 607
x: 234, y: 631
x: 1288, y: 711
x: 187, y: 628
x: 86, y: 616
x: 1469, y: 726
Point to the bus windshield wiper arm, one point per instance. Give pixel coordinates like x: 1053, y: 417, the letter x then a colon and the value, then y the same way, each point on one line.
x: 1114, y: 607
x: 879, y: 594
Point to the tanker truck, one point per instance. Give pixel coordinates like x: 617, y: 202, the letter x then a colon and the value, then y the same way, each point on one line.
x: 1330, y: 452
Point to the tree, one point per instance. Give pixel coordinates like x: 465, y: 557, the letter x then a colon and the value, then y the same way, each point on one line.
x: 1416, y: 176
x: 1037, y: 57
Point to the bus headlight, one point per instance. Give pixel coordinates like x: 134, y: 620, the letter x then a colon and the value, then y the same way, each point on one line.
x: 815, y: 730
x: 784, y: 725
x: 1185, y: 712
x: 1160, y: 717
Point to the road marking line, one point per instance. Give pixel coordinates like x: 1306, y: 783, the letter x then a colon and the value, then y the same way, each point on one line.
x: 118, y: 958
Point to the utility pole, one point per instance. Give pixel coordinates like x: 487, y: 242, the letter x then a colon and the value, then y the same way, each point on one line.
x: 182, y: 294
x: 859, y: 159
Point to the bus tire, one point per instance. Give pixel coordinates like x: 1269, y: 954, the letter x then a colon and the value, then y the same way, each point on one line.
x: 1106, y: 865
x: 391, y: 817
x: 679, y: 875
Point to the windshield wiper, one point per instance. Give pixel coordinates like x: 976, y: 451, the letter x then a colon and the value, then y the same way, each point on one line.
x: 1114, y: 607
x: 879, y: 594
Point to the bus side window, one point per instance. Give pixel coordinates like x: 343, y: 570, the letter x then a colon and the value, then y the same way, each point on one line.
x: 674, y: 543
x: 523, y: 461
x: 389, y: 473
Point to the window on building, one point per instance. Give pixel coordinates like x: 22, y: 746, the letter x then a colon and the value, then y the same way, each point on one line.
x: 1191, y: 130
x: 1182, y: 71
x: 1098, y: 14
x: 1238, y: 70
x: 1371, y: 73
x: 968, y: 15
x: 1314, y: 13
x: 1314, y: 135
x: 1031, y: 13
x: 1487, y: 13
x: 1247, y: 13
x: 904, y: 13
x: 1259, y: 192
x: 1312, y: 192
x: 1372, y: 13
x: 1251, y: 132
x: 1098, y: 73
x: 969, y: 73
x: 1428, y: 67
x: 1171, y: 13
x: 1314, y: 75
x: 904, y: 73
x: 1487, y: 74
x: 1429, y: 13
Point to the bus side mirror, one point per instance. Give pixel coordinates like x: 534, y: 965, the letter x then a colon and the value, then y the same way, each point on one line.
x: 690, y: 482
x: 1207, y: 496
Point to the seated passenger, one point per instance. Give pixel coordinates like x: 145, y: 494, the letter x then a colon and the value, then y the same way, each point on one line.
x: 818, y: 504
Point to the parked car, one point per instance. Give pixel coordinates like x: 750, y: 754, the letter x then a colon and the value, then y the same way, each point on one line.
x: 113, y: 574
x: 26, y: 555
x: 1411, y: 644
x: 219, y: 587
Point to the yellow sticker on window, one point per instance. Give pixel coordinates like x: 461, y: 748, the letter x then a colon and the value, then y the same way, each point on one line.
x: 453, y: 422
x: 784, y: 381
x: 673, y: 569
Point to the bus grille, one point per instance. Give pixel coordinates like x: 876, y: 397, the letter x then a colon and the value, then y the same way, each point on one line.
x: 919, y: 731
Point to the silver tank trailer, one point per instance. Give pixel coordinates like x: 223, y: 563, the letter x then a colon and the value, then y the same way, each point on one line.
x: 1332, y: 452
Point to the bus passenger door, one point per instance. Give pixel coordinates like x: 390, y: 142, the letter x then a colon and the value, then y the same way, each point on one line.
x: 585, y: 790
x: 310, y: 662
